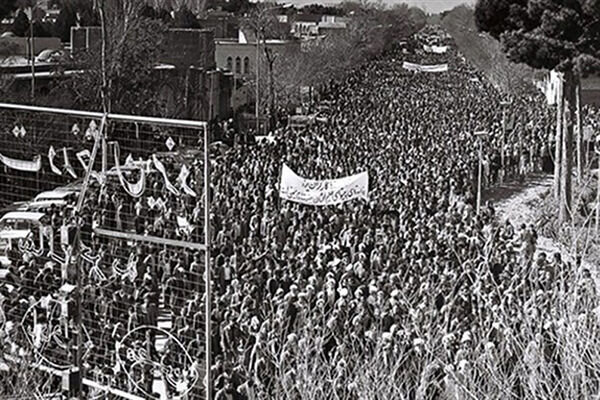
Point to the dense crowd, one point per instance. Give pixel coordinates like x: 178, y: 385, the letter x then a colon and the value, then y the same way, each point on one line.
x: 413, y: 261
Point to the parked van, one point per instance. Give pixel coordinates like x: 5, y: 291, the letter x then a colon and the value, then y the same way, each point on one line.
x: 20, y: 225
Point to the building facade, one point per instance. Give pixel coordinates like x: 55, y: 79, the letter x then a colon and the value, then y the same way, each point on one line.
x: 240, y: 58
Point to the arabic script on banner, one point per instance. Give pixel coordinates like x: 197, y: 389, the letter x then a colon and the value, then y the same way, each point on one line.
x: 322, y: 192
x: 425, y: 68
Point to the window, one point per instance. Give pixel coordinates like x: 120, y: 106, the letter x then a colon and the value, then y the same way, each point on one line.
x: 238, y: 65
x: 246, y: 65
x: 229, y: 64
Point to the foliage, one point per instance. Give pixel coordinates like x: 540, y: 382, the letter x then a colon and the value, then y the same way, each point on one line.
x: 238, y: 7
x: 6, y: 8
x: 66, y: 19
x: 560, y: 35
x: 418, y: 17
x: 20, y: 26
x: 545, y: 34
x: 134, y: 46
x: 184, y: 18
x: 484, y: 52
x: 372, y: 30
x: 319, y: 9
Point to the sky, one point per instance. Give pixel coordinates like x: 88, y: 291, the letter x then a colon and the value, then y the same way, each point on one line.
x: 430, y: 6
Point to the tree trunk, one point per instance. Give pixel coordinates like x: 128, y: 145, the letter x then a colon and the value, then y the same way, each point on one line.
x: 579, y: 130
x: 567, y: 147
x: 558, y: 140
x: 272, y: 95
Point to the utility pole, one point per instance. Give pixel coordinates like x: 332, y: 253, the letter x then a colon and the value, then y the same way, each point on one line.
x: 597, y: 150
x: 480, y: 135
x: 29, y: 12
x: 207, y: 301
x: 256, y: 110
x: 504, y: 105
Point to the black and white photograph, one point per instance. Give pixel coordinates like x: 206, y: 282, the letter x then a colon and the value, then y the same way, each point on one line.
x: 303, y: 200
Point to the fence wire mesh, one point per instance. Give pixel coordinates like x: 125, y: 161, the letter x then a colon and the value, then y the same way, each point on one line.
x: 135, y: 250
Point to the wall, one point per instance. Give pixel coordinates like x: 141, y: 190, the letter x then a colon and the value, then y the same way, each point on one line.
x: 232, y: 49
x: 187, y: 47
x: 224, y: 26
x: 39, y: 44
x: 183, y: 48
x: 590, y: 90
x: 84, y: 38
x: 208, y: 94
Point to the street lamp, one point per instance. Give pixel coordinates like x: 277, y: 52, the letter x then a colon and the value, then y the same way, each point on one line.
x: 480, y: 135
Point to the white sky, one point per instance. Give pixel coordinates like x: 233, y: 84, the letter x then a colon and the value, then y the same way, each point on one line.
x: 430, y: 6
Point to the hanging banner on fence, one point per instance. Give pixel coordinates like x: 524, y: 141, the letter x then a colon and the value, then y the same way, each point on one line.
x: 22, y: 165
x: 435, y: 49
x: 51, y: 155
x: 322, y: 192
x: 133, y: 189
x: 182, y: 178
x: 425, y: 68
x: 68, y: 166
x: 84, y: 157
x: 161, y: 168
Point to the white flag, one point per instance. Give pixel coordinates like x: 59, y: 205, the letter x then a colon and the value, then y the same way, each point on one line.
x: 68, y: 166
x: 51, y: 155
x: 183, y: 175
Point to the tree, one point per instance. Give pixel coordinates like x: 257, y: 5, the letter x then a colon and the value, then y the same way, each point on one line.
x: 20, y: 26
x: 6, y: 8
x: 372, y: 30
x: 184, y: 18
x: 550, y: 35
x: 417, y: 17
x: 66, y: 19
x: 319, y: 9
x: 120, y: 77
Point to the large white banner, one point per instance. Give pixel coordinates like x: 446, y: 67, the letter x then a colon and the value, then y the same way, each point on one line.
x: 425, y: 68
x: 322, y: 192
x: 435, y: 49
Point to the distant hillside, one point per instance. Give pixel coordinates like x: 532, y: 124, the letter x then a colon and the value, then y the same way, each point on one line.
x: 484, y: 52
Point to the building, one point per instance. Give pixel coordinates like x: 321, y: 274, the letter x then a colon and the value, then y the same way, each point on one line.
x: 590, y: 90
x: 304, y: 28
x: 310, y: 26
x: 239, y: 56
x: 190, y: 47
x: 224, y: 24
x: 188, y: 84
x: 329, y: 28
x: 184, y: 47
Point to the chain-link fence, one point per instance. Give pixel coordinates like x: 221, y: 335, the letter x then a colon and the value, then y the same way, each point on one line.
x: 103, y: 251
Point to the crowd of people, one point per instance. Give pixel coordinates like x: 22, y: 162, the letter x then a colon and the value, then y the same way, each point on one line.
x: 413, y: 264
